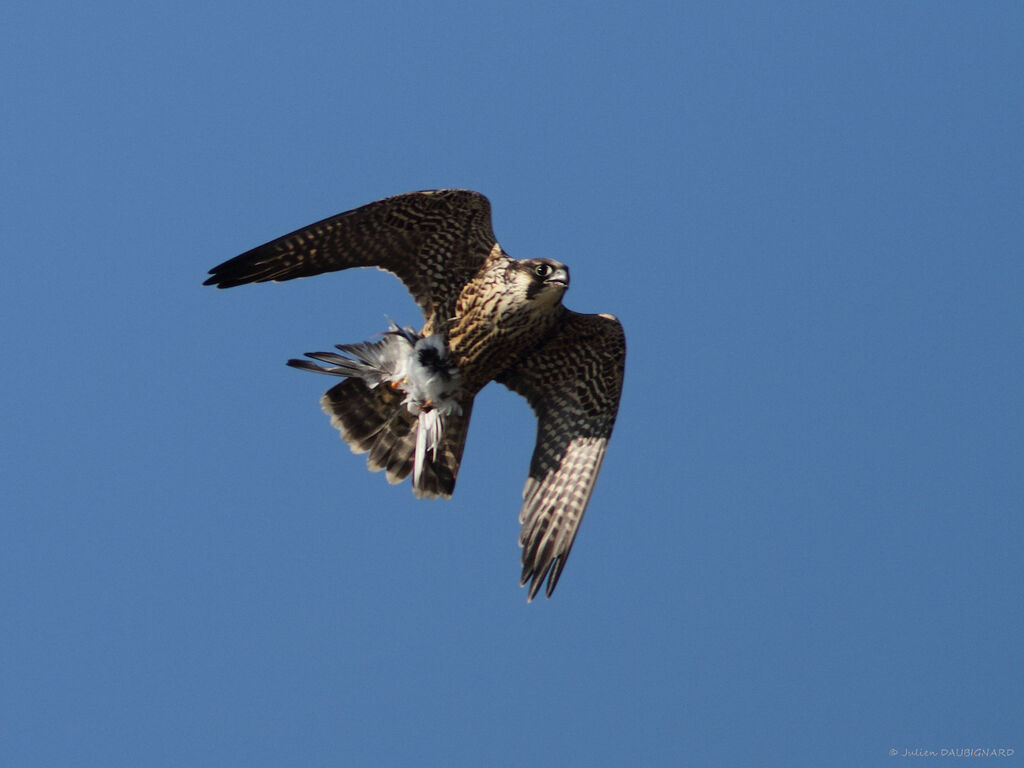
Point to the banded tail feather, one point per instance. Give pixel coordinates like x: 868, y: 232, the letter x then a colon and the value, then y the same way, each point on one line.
x: 376, y: 422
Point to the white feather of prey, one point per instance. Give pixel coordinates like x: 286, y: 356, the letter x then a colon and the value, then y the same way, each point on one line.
x: 430, y: 384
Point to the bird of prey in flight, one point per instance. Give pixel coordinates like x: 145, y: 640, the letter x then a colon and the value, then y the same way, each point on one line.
x: 406, y: 399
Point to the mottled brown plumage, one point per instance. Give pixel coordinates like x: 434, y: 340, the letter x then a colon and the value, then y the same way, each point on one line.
x: 493, y: 318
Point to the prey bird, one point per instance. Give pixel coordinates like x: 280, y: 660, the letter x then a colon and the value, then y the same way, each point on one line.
x: 406, y: 399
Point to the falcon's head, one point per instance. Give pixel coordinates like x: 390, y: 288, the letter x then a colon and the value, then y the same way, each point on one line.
x: 542, y: 280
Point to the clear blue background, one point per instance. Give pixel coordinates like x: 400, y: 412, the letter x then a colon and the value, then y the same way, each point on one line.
x: 806, y: 546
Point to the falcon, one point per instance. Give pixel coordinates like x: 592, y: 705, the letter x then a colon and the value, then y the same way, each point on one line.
x: 406, y: 399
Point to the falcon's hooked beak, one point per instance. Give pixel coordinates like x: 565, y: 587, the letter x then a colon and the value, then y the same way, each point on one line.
x: 559, y: 276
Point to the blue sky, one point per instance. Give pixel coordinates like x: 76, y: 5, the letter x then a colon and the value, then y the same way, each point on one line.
x: 806, y: 544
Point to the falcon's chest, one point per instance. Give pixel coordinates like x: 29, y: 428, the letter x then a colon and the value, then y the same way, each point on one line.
x: 495, y: 322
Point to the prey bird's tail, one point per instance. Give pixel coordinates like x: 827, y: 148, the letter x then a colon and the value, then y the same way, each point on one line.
x: 374, y: 362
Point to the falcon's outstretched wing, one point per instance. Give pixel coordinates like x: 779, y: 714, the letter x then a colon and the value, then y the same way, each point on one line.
x: 573, y: 382
x: 434, y: 241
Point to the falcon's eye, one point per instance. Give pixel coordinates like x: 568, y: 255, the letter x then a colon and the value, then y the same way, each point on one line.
x: 542, y: 270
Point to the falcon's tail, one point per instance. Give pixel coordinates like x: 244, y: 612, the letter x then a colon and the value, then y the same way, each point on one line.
x: 376, y: 421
